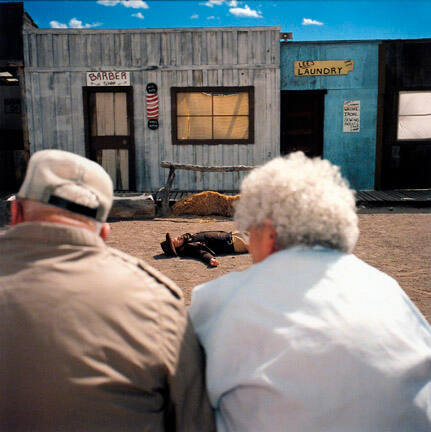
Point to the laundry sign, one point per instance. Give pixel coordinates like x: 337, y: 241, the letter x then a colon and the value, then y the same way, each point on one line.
x: 352, y: 116
x: 308, y: 68
x: 108, y: 78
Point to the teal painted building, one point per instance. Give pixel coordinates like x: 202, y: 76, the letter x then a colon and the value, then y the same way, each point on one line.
x: 315, y: 108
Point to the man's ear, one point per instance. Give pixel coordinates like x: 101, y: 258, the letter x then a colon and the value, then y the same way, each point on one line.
x: 104, y: 232
x: 271, y: 236
x: 17, y: 213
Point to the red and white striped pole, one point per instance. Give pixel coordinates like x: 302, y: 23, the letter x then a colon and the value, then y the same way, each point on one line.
x: 152, y: 106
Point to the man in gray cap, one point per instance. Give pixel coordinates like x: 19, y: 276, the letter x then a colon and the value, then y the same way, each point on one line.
x: 91, y: 339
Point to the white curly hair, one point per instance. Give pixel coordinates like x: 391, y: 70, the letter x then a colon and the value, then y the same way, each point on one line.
x: 307, y: 201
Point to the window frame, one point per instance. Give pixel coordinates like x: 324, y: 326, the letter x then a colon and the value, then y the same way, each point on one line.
x: 221, y: 89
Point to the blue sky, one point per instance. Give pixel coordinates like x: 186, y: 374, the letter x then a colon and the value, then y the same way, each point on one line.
x: 307, y: 20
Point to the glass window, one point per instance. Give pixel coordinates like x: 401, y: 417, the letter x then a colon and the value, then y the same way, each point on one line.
x: 216, y: 115
x: 414, y: 115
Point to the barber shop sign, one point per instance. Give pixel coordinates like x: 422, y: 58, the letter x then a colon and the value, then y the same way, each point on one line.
x: 108, y: 78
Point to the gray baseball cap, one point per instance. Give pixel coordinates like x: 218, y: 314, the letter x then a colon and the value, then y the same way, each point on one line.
x: 68, y: 181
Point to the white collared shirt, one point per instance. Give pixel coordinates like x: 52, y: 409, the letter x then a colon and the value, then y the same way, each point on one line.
x: 314, y: 340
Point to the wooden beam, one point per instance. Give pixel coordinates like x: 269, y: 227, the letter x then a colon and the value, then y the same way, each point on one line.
x: 189, y: 167
x: 164, y: 193
x: 47, y: 69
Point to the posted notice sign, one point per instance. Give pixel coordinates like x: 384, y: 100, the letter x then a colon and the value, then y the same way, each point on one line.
x: 352, y: 116
x: 108, y: 78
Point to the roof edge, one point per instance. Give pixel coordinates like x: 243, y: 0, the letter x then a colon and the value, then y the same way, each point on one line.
x: 152, y: 30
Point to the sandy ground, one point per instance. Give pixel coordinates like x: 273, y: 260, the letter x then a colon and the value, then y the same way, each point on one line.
x: 396, y: 241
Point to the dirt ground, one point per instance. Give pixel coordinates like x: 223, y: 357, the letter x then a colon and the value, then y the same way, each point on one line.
x: 396, y: 241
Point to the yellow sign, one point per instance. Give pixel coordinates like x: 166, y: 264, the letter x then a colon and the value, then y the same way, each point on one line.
x: 323, y: 68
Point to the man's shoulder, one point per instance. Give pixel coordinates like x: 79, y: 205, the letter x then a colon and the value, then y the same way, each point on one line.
x: 140, y: 267
x: 210, y: 297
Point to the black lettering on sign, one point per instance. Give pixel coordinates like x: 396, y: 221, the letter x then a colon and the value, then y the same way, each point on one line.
x: 153, y: 124
x: 151, y: 88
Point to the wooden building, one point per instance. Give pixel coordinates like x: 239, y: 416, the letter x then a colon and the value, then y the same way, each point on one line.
x: 404, y: 151
x: 329, y: 104
x: 14, y: 144
x: 130, y: 99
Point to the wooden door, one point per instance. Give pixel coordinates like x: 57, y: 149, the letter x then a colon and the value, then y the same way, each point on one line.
x: 302, y: 122
x: 109, y: 133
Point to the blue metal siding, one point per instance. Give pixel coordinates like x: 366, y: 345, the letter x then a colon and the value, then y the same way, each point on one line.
x: 354, y: 152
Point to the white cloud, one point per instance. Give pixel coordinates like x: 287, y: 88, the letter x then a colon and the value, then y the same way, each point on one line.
x: 108, y: 2
x: 212, y: 3
x: 245, y: 12
x: 135, y: 4
x: 138, y: 15
x: 309, y: 21
x: 56, y: 24
x: 73, y: 23
x: 194, y: 16
x: 233, y: 3
x: 211, y: 17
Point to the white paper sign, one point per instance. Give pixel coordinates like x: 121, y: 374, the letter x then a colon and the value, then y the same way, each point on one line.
x: 108, y: 78
x: 352, y: 116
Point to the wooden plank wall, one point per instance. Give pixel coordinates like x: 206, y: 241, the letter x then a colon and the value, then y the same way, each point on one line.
x: 56, y: 62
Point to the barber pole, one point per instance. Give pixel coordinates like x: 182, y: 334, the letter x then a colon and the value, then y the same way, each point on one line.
x: 152, y: 106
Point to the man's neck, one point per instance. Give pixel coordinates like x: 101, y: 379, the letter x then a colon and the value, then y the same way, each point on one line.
x: 60, y: 219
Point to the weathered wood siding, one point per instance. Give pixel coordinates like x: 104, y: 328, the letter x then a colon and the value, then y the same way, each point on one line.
x: 57, y: 61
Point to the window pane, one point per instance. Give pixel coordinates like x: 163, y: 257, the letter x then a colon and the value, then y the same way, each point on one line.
x: 231, y: 104
x: 415, y: 103
x: 231, y: 127
x: 414, y: 127
x: 116, y: 164
x: 120, y: 114
x: 194, y: 128
x: 194, y: 104
x: 104, y: 114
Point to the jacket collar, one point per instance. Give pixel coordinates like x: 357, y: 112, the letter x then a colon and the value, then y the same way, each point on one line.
x: 53, y: 233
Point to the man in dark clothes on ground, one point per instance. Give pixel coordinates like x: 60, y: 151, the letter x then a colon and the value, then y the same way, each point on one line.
x: 205, y: 245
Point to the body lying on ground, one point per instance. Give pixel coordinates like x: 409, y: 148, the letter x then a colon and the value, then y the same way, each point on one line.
x: 205, y: 245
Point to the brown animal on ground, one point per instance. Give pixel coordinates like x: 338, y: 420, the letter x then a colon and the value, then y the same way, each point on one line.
x: 205, y: 204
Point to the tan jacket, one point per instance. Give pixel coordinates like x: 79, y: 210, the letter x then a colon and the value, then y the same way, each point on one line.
x: 92, y: 339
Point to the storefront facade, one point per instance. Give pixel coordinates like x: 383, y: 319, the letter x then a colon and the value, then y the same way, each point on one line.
x: 329, y: 100
x: 130, y: 99
x: 405, y: 148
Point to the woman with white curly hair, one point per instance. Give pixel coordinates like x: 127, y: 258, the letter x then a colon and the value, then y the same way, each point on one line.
x: 305, y: 201
x: 310, y: 338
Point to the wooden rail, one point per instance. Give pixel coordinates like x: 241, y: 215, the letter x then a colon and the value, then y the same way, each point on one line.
x: 201, y: 168
x: 163, y: 193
